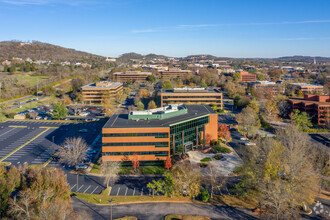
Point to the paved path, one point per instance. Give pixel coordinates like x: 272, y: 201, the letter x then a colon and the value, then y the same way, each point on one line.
x: 155, y: 211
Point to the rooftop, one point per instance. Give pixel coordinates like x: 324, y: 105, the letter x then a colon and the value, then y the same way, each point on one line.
x: 193, y: 111
x: 304, y: 84
x: 294, y: 99
x: 132, y: 72
x: 159, y: 113
x: 192, y: 90
x: 102, y: 84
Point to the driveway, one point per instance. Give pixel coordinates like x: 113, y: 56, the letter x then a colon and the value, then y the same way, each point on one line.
x: 155, y: 211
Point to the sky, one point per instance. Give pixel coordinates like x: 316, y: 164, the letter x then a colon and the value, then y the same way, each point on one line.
x: 231, y: 28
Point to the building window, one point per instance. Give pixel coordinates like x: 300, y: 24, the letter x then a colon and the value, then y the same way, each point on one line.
x: 156, y: 153
x: 156, y: 135
x: 156, y: 144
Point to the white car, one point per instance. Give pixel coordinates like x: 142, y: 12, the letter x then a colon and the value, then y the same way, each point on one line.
x: 249, y: 144
x: 84, y: 114
x: 244, y: 139
x: 81, y: 166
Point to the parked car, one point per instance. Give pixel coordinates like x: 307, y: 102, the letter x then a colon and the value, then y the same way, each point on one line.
x: 91, y: 152
x: 81, y: 166
x: 244, y: 139
x: 249, y: 144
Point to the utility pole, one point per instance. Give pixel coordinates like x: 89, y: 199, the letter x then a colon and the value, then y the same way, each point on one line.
x: 111, y: 200
x: 77, y: 181
x: 37, y: 87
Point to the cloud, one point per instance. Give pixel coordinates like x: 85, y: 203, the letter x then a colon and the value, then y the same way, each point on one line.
x: 203, y: 26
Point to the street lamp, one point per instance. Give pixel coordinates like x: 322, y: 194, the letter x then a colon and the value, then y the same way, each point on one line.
x: 111, y: 200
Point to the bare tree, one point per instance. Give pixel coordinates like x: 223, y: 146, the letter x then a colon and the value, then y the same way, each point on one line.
x: 23, y: 207
x: 73, y: 151
x: 110, y: 170
x: 248, y: 121
x: 214, y: 178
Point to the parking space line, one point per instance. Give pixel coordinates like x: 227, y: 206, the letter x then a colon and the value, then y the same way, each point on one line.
x: 134, y: 191
x: 23, y: 145
x: 8, y: 131
x: 142, y: 192
x: 87, y: 188
x: 126, y: 191
x: 80, y: 188
x: 118, y: 191
x: 95, y: 189
x: 73, y: 186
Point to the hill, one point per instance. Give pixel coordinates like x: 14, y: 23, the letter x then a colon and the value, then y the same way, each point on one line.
x: 43, y: 51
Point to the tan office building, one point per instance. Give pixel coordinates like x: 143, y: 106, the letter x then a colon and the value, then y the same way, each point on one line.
x: 174, y: 73
x: 132, y: 76
x: 305, y: 88
x: 96, y: 92
x: 192, y: 96
x: 265, y: 86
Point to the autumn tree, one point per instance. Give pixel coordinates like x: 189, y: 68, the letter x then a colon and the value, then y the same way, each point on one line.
x: 140, y: 106
x: 301, y: 120
x: 167, y: 84
x: 108, y: 107
x: 224, y: 133
x: 152, y: 104
x: 59, y: 111
x: 168, y: 163
x: 73, y: 151
x: 135, y: 161
x: 248, y: 121
x: 110, y: 171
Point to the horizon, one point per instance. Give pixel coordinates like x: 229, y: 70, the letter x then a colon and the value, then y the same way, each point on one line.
x: 237, y: 29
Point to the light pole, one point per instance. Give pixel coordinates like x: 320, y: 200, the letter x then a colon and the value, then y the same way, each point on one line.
x: 77, y: 181
x: 111, y: 200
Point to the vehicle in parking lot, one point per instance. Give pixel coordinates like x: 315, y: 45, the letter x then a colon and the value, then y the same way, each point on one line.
x: 81, y: 166
x: 244, y: 139
x: 84, y: 113
x: 249, y: 144
x: 91, y: 152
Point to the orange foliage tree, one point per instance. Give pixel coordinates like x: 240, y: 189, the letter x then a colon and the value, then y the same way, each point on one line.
x: 168, y: 163
x: 224, y: 133
x: 135, y: 161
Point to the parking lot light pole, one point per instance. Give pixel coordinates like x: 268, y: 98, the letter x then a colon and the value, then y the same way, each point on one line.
x: 77, y: 181
x: 111, y: 200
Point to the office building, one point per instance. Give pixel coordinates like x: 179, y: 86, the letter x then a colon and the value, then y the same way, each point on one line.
x: 305, y: 88
x: 192, y: 96
x: 132, y: 76
x: 96, y: 92
x: 174, y: 73
x: 247, y: 77
x: 274, y: 88
x: 159, y: 133
x: 317, y: 107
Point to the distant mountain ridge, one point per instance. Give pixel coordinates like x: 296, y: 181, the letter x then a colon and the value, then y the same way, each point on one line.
x: 43, y: 51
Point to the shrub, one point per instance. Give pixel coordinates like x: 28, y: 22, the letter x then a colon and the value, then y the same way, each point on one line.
x: 218, y: 156
x: 205, y: 196
x: 220, y: 149
x: 203, y: 164
x: 206, y: 159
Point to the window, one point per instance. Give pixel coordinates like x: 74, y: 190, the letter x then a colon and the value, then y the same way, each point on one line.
x: 156, y: 144
x: 156, y: 135
x: 156, y: 153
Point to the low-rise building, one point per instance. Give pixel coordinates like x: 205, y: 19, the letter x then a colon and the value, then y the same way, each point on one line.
x: 305, y: 88
x: 273, y: 87
x: 192, y: 96
x: 174, y: 73
x: 97, y: 92
x: 317, y: 107
x: 247, y: 77
x: 156, y: 134
x: 132, y: 76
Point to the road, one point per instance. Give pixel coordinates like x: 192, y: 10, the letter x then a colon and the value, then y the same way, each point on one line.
x: 155, y: 211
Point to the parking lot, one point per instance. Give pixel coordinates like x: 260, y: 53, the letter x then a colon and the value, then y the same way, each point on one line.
x: 35, y: 142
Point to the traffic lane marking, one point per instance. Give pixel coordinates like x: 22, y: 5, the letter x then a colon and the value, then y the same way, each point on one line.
x: 8, y: 131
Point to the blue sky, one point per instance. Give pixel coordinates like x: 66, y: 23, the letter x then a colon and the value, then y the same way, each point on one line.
x: 231, y: 28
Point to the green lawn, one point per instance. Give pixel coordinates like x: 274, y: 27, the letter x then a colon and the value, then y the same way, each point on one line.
x: 32, y: 80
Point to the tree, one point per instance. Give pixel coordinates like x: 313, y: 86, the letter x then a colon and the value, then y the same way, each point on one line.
x: 224, y: 133
x: 167, y: 85
x: 203, y: 84
x: 110, y: 170
x: 140, y: 106
x: 76, y: 84
x: 270, y: 109
x: 301, y: 120
x: 254, y: 105
x: 108, y: 108
x: 152, y: 104
x: 236, y: 76
x: 156, y: 187
x: 151, y: 78
x: 73, y: 151
x: 213, y: 178
x: 215, y: 107
x: 284, y: 108
x: 300, y: 93
x: 248, y: 121
x: 59, y: 111
x: 168, y: 163
x: 66, y: 100
x: 135, y: 161
x: 260, y: 77
x: 241, y: 101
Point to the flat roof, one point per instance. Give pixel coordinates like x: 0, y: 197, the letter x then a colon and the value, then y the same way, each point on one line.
x: 308, y: 101
x: 304, y: 84
x: 191, y: 90
x: 122, y: 121
x: 132, y: 73
x: 108, y: 85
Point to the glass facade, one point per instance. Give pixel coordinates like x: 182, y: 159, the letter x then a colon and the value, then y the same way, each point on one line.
x: 188, y: 129
x: 156, y: 135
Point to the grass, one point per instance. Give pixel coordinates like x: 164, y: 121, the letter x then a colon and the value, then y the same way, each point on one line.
x: 34, y: 104
x: 222, y: 149
x: 95, y: 169
x: 5, y: 164
x: 147, y: 170
x: 206, y: 159
x: 32, y: 80
x: 186, y: 217
x: 102, y: 199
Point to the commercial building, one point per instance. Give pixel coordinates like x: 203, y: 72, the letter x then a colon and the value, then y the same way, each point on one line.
x: 96, y: 92
x: 317, y: 107
x: 305, y: 88
x: 247, y: 77
x: 266, y: 86
x: 174, y: 73
x: 156, y: 134
x: 192, y: 96
x: 132, y: 76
